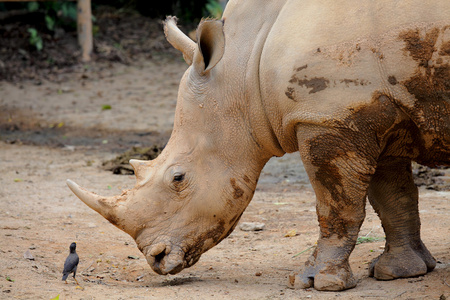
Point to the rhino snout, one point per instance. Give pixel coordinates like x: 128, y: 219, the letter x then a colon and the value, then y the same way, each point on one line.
x: 164, y: 260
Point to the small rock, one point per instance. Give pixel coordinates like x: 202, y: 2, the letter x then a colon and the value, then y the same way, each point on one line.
x: 28, y: 255
x: 248, y: 226
x: 66, y: 89
x: 133, y: 257
x: 69, y: 148
x: 258, y: 274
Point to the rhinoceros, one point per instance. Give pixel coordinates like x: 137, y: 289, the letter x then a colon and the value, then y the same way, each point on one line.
x: 359, y: 88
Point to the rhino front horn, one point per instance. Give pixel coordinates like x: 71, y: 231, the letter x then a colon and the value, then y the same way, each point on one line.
x: 106, y: 206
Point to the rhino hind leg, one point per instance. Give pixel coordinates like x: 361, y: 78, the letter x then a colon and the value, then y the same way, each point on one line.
x: 340, y: 174
x: 394, y: 197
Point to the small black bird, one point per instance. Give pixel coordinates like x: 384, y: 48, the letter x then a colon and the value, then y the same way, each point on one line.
x: 71, y: 264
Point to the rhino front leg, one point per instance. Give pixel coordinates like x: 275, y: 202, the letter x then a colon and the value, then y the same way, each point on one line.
x: 339, y: 168
x: 394, y: 197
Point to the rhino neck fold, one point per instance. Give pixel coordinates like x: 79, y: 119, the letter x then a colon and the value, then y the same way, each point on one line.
x: 250, y: 41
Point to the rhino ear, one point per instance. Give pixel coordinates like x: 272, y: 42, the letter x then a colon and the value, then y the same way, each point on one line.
x: 211, y: 45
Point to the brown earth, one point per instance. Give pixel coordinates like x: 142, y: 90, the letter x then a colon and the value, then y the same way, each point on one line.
x: 54, y: 130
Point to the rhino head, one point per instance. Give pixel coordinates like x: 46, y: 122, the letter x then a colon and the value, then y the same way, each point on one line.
x: 191, y: 197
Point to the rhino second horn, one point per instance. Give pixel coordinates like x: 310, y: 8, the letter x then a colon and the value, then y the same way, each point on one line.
x: 179, y: 40
x: 137, y: 165
x: 102, y: 205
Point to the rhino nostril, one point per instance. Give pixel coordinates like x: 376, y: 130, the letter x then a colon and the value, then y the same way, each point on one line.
x: 159, y: 251
x: 159, y: 257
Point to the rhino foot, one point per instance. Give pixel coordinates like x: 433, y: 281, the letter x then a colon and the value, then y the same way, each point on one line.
x: 333, y: 278
x: 401, y: 263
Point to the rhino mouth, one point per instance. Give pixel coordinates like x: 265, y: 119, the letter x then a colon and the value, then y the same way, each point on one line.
x: 168, y: 255
x: 167, y: 259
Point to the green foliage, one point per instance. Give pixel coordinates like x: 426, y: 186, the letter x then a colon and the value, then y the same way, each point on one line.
x: 57, y: 13
x: 69, y: 10
x: 366, y: 239
x: 35, y: 39
x: 95, y: 30
x: 214, y: 9
x: 50, y: 23
x: 33, y: 6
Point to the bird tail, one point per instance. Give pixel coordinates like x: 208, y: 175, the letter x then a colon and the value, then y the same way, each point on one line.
x: 65, y: 276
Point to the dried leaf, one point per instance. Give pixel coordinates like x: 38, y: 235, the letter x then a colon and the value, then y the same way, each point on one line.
x: 291, y: 233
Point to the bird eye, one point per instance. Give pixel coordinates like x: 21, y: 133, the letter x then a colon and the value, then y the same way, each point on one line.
x: 178, y: 177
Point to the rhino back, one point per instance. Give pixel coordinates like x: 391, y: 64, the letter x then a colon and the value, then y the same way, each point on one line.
x: 324, y: 60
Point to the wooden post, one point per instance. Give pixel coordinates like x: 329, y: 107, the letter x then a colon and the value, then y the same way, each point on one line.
x: 84, y: 25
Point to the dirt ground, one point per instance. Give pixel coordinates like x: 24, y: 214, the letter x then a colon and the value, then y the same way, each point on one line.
x: 54, y: 131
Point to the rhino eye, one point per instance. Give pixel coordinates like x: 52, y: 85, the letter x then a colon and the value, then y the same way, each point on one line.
x: 178, y: 177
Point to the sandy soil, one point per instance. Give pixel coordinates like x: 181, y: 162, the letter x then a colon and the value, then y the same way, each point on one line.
x: 51, y: 132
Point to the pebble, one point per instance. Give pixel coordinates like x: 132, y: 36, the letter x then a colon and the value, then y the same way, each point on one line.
x: 28, y: 255
x: 249, y: 226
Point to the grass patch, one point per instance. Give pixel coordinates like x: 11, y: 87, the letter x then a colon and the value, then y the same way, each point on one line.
x: 366, y: 239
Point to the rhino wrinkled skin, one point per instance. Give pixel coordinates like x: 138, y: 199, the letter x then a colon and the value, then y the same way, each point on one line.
x: 359, y: 88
